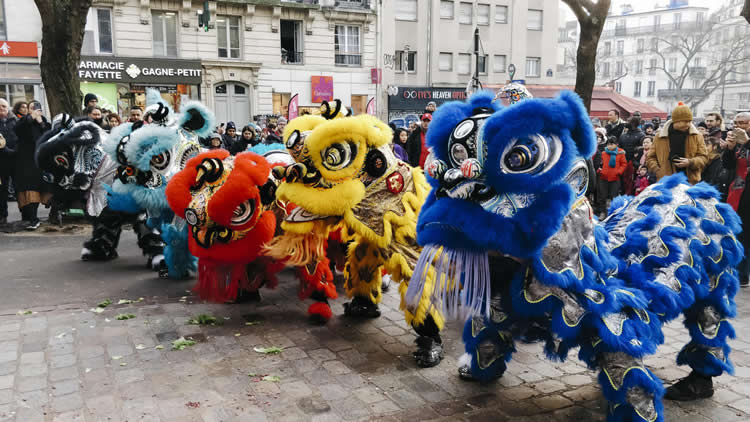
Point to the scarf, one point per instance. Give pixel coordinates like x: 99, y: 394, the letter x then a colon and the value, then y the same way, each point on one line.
x: 677, y: 142
x: 613, y: 156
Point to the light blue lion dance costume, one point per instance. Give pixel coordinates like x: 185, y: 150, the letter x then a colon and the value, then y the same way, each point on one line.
x: 510, y: 236
x: 148, y: 155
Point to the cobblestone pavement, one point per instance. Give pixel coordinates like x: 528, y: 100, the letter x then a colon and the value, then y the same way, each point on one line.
x: 66, y: 363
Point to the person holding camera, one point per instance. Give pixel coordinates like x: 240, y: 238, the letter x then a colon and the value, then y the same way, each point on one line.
x: 678, y: 147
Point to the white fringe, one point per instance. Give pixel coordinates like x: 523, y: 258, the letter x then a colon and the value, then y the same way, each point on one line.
x: 462, y: 282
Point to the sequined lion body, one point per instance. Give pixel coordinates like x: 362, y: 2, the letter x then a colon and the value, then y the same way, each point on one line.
x: 346, y: 176
x: 512, y: 240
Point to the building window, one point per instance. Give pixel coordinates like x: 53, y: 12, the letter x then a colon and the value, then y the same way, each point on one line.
x: 607, y: 48
x: 463, y: 66
x: 620, y: 28
x: 446, y: 9
x: 445, y: 62
x: 534, y: 21
x: 501, y: 14
x: 291, y: 42
x: 697, y: 62
x: 164, y: 26
x: 637, y: 89
x: 482, y: 65
x: 406, y: 10
x: 620, y: 47
x: 640, y: 45
x: 619, y: 68
x: 699, y: 18
x: 657, y: 22
x: 228, y: 31
x: 483, y: 14
x: 673, y: 65
x: 464, y: 13
x: 533, y: 67
x: 346, y: 45
x: 677, y: 20
x: 406, y: 60
x: 652, y: 67
x: 654, y: 44
x: 605, y: 69
x: 618, y: 87
x: 98, y: 36
x: 651, y: 89
x: 638, y: 67
x: 499, y: 65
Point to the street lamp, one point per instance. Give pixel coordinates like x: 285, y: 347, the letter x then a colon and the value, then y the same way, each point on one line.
x: 724, y: 83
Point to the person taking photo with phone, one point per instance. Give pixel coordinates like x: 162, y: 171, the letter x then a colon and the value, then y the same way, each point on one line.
x: 736, y: 159
x: 28, y: 177
x: 678, y: 147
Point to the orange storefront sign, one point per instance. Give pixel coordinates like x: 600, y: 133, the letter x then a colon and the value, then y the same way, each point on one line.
x: 18, y: 49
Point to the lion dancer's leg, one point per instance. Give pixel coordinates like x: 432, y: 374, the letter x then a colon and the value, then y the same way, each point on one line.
x: 707, y: 353
x: 633, y: 392
x: 150, y: 242
x: 105, y: 236
x: 316, y: 283
x: 178, y: 262
x: 363, y: 279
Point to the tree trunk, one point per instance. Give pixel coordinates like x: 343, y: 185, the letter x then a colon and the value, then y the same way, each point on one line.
x: 586, y: 63
x: 63, y: 27
x: 745, y: 13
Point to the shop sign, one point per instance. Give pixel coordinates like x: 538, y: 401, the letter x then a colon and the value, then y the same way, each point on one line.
x: 139, y: 70
x: 322, y: 88
x: 416, y: 98
x: 18, y: 49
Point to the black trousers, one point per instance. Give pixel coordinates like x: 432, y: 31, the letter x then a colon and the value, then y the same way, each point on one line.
x: 606, y: 190
x: 4, y: 184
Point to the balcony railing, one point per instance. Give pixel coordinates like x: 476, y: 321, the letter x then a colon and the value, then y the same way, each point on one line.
x: 680, y: 93
x: 292, y: 57
x: 348, y: 60
x: 697, y: 72
x: 300, y: 1
x: 652, y: 29
x: 353, y: 3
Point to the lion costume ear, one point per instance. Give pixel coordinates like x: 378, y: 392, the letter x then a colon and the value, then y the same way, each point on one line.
x: 197, y: 118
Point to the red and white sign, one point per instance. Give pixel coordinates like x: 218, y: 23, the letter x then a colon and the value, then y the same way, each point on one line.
x: 375, y: 75
x: 18, y: 49
x: 293, y: 107
x: 371, y: 107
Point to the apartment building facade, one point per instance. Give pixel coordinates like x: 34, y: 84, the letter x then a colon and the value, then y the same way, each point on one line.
x: 428, y: 48
x: 20, y: 38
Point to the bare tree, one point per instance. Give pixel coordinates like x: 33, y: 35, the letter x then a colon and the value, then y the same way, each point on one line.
x: 591, y: 16
x: 63, y: 27
x: 723, y: 55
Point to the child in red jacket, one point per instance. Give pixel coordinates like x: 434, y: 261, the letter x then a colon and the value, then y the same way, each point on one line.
x: 613, y: 165
x: 641, y: 181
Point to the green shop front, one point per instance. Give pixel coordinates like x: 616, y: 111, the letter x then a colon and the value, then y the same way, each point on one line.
x: 120, y: 82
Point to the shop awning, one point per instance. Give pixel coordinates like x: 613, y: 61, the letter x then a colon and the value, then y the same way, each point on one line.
x: 603, y: 100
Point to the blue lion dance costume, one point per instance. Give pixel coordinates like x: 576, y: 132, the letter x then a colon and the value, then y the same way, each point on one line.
x: 511, y: 240
x: 147, y: 156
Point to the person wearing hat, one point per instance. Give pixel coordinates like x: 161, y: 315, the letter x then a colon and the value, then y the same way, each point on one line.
x: 214, y: 141
x: 89, y: 100
x: 230, y: 136
x: 678, y: 147
x: 415, y: 145
x: 430, y: 108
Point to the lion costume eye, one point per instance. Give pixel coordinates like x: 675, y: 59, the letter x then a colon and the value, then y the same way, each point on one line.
x: 338, y: 156
x: 160, y: 161
x: 531, y: 155
x: 61, y: 160
x: 243, y: 213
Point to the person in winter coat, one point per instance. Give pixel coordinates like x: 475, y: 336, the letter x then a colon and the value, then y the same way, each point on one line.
x: 678, y: 147
x: 613, y: 165
x: 715, y: 125
x: 615, y: 125
x: 630, y: 141
x: 27, y: 176
x: 7, y: 155
x: 736, y: 159
x: 415, y: 145
x: 247, y: 140
x: 641, y: 180
x: 715, y: 174
x: 229, y: 137
x: 400, y: 137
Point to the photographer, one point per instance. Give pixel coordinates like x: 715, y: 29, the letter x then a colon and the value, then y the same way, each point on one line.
x: 678, y: 147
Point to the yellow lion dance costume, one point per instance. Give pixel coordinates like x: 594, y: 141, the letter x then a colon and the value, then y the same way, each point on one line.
x: 346, y: 177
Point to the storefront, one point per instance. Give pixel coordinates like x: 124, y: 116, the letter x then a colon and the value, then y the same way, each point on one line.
x: 20, y: 76
x: 407, y: 103
x: 121, y: 82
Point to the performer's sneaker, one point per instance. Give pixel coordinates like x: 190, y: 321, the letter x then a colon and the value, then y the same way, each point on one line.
x: 89, y: 255
x: 464, y: 372
x: 246, y: 296
x: 692, y: 387
x: 744, y: 281
x: 362, y: 308
x: 429, y: 352
x: 386, y: 283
